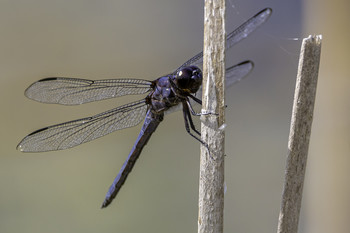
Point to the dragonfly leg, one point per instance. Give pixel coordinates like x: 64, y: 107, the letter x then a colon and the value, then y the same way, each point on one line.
x: 189, y: 122
x: 195, y: 99
x: 197, y: 113
x: 188, y: 119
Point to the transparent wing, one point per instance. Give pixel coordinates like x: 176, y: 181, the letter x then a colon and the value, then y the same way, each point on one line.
x: 73, y: 133
x: 72, y: 91
x: 233, y: 75
x: 236, y: 73
x: 234, y: 37
x: 248, y: 27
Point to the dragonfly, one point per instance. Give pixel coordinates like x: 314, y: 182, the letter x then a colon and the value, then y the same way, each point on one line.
x: 166, y: 94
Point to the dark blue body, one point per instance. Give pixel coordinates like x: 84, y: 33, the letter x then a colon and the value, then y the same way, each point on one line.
x: 151, y: 123
x: 168, y: 91
x: 165, y: 94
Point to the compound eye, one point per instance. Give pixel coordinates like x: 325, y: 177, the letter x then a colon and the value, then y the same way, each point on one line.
x: 184, y: 73
x: 183, y: 77
x: 189, y: 78
x: 196, y: 74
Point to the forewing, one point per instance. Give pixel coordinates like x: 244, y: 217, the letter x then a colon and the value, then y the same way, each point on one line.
x: 247, y: 27
x: 234, y: 37
x: 73, y: 133
x: 72, y: 91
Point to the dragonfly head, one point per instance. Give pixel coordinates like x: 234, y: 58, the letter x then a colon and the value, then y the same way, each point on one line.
x: 189, y: 79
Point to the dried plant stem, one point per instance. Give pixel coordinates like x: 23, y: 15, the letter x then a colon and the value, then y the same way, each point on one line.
x: 211, y: 184
x: 299, y: 136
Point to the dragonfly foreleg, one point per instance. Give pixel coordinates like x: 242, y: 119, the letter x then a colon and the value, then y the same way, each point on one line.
x: 189, y: 122
x: 193, y: 112
x: 188, y: 119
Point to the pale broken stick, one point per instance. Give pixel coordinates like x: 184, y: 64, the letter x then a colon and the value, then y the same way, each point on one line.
x: 299, y: 136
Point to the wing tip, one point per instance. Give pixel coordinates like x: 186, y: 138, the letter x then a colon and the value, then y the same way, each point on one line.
x: 247, y: 62
x: 20, y: 147
x: 268, y: 11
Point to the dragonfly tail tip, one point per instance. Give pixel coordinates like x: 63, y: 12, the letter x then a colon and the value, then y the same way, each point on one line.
x: 105, y: 204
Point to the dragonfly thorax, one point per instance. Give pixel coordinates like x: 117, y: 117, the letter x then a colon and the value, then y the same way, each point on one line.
x: 163, y: 96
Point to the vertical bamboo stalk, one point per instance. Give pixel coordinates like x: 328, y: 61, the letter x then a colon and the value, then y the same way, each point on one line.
x: 211, y: 184
x: 299, y: 136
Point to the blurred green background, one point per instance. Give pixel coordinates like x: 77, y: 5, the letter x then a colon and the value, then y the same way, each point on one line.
x: 62, y: 191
